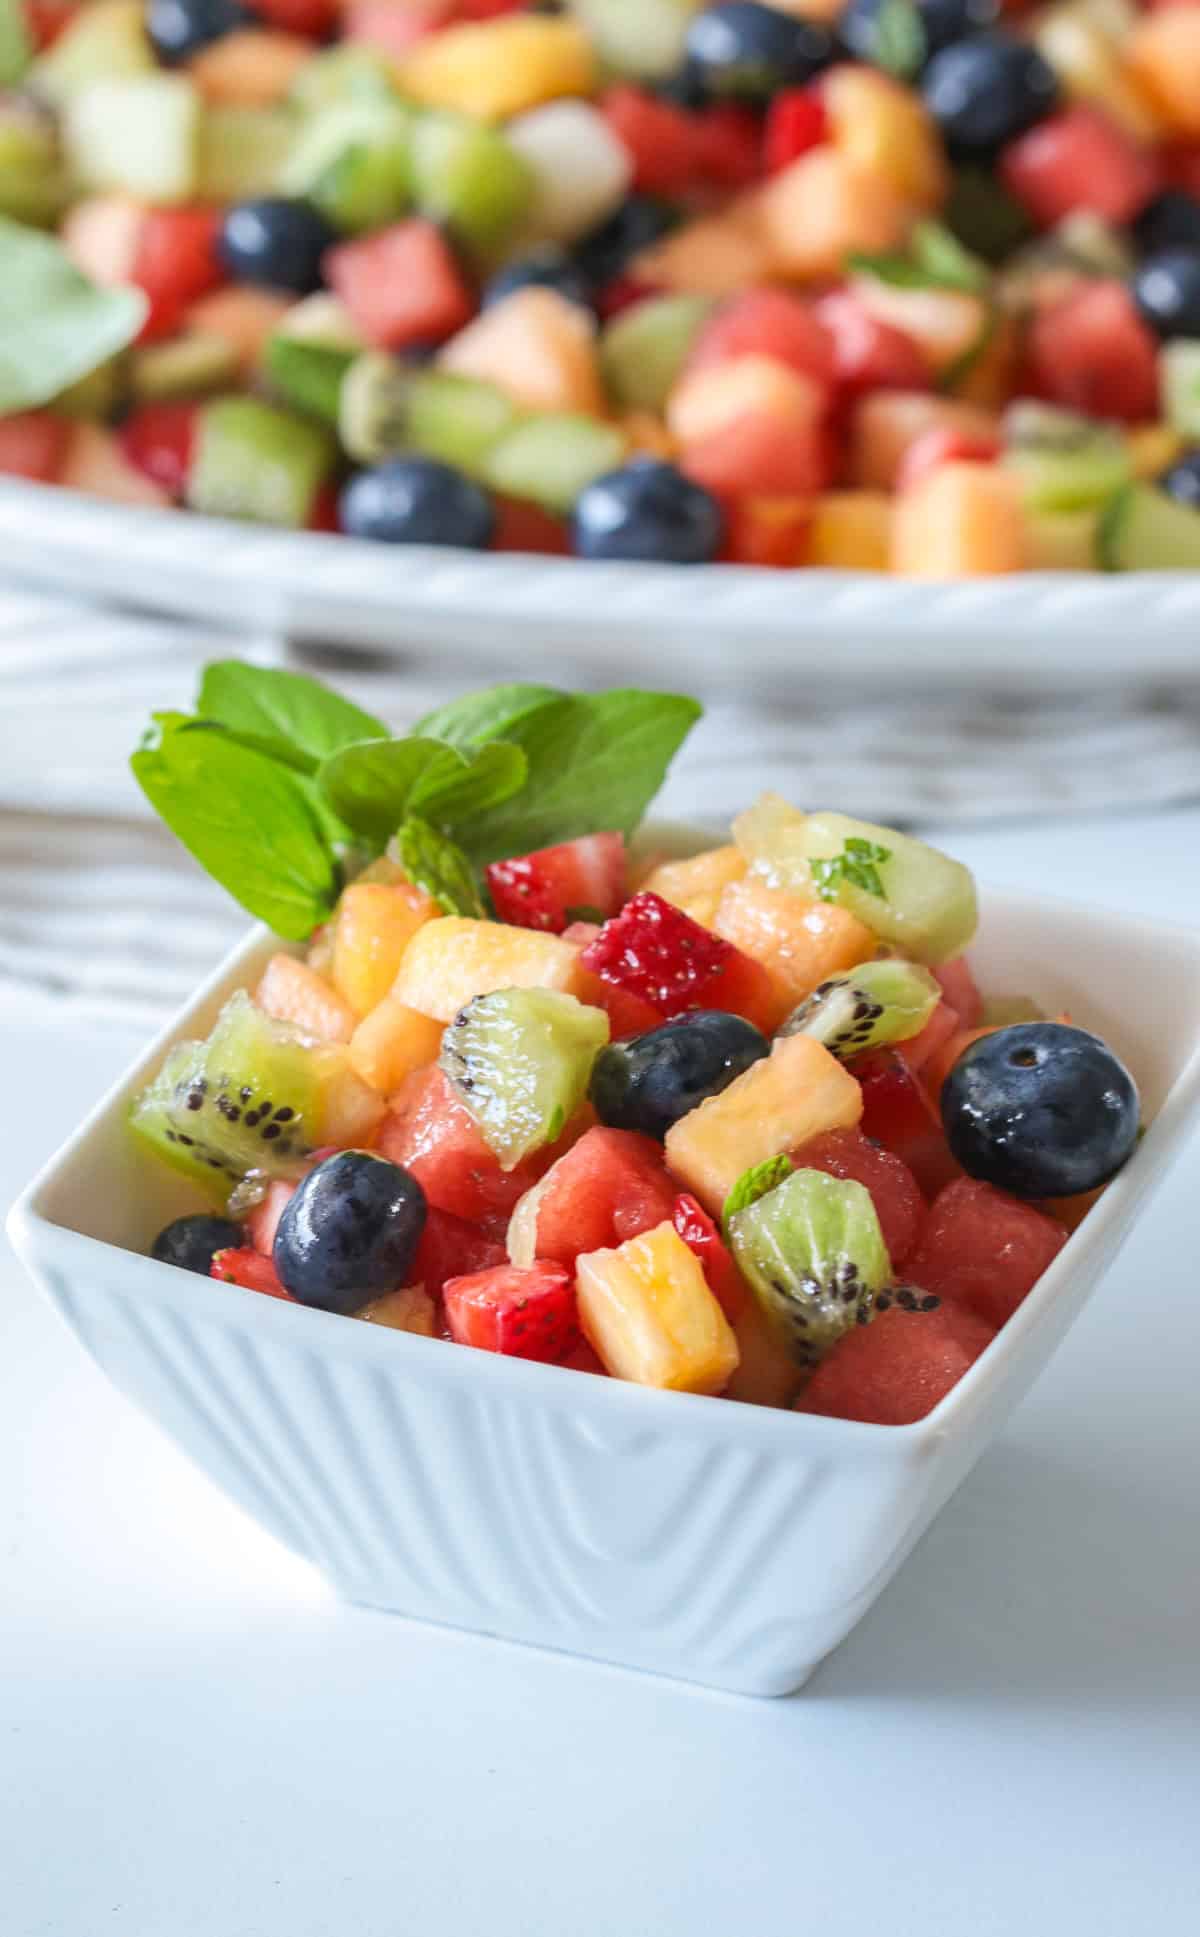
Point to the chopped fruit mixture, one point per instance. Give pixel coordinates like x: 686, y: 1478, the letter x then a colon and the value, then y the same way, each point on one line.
x: 501, y: 1093
x: 877, y: 285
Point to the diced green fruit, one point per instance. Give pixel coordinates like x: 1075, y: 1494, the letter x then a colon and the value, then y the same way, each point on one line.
x: 1001, y: 1011
x: 643, y: 350
x: 310, y: 354
x: 813, y: 1254
x: 1061, y: 541
x: 345, y: 73
x: 254, y: 461
x: 983, y: 216
x: 373, y: 407
x: 469, y: 177
x: 519, y: 1061
x: 193, y: 365
x: 138, y: 135
x: 16, y: 48
x: 877, y: 1003
x: 1143, y: 530
x: 105, y: 42
x: 33, y: 183
x: 354, y: 161
x: 1180, y: 367
x: 551, y: 457
x: 240, y: 152
x: 1064, y: 462
x: 457, y: 419
x: 55, y: 324
x: 1084, y: 243
x: 96, y: 397
x: 640, y: 38
x: 220, y: 1108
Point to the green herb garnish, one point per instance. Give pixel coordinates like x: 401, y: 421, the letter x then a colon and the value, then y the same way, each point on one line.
x: 753, y: 1184
x: 55, y: 325
x: 857, y: 865
x: 898, y: 41
x: 935, y: 260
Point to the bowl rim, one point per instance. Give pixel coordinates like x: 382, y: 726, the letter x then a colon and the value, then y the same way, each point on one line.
x: 36, y: 1236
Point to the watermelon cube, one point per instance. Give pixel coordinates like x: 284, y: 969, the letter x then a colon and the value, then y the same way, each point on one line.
x: 896, y: 1369
x: 898, y: 1114
x: 894, y: 1190
x: 1079, y: 160
x: 247, y: 1267
x: 452, y: 1248
x: 609, y: 1186
x: 526, y: 1314
x: 33, y: 444
x: 1093, y: 353
x: 429, y: 1133
x: 772, y: 323
x: 984, y: 1249
x: 655, y: 952
x: 400, y: 286
x: 175, y: 263
x: 581, y: 880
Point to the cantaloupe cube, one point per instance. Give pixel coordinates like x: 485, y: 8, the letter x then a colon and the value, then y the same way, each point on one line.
x: 852, y: 531
x: 410, y: 1309
x: 696, y: 885
x: 450, y: 960
x: 349, y: 1111
x: 252, y: 68
x: 885, y: 130
x: 797, y: 1092
x: 647, y: 435
x: 391, y: 1042
x: 715, y: 255
x: 824, y: 207
x: 647, y: 1312
x: 1162, y: 56
x: 537, y: 347
x: 767, y: 1374
x: 961, y: 521
x: 374, y: 926
x: 720, y: 394
x: 1152, y: 448
x: 500, y: 67
x: 945, y: 323
x: 244, y: 318
x: 95, y: 463
x: 799, y: 942
x: 888, y: 421
x: 294, y: 993
x: 1088, y: 62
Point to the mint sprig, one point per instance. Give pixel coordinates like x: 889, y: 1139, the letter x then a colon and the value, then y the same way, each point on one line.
x: 753, y: 1184
x: 857, y: 865
x: 55, y: 325
x: 935, y: 260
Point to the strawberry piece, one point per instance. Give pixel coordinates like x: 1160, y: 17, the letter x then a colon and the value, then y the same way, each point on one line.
x: 526, y: 1314
x: 894, y: 1190
x: 176, y: 263
x: 898, y: 1113
x: 554, y: 886
x: 726, y: 146
x: 796, y: 121
x: 655, y: 952
x: 984, y: 1249
x: 452, y: 1248
x: 401, y: 285
x: 159, y: 440
x: 248, y: 1268
x: 702, y: 1237
x: 938, y: 446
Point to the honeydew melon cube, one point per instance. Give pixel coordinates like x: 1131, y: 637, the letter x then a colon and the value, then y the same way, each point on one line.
x: 641, y: 38
x: 579, y: 171
x: 140, y: 135
x: 105, y: 42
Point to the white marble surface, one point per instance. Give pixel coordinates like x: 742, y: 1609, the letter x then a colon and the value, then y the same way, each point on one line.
x: 195, y: 1741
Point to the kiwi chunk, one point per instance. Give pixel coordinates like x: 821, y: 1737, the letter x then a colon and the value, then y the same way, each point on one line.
x: 876, y: 1003
x: 1063, y: 462
x: 550, y: 458
x: 519, y: 1060
x: 813, y: 1254
x: 243, y: 1100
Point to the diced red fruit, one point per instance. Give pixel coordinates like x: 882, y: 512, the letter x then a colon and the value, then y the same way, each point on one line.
x: 485, y: 9
x: 657, y: 953
x: 760, y: 457
x: 796, y: 121
x: 895, y: 1193
x: 610, y: 1186
x: 314, y: 18
x: 767, y: 322
x: 324, y: 515
x: 1182, y: 165
x: 553, y: 886
x: 920, y: 1049
x: 727, y: 146
x: 33, y: 445
x: 659, y: 138
x: 961, y: 990
x: 936, y: 1070
x: 523, y: 527
x: 525, y: 1313
x: 869, y: 354
x: 379, y: 23
x: 983, y: 1249
x: 176, y: 263
x: 451, y: 1248
x: 263, y: 1221
x: 898, y: 1113
x: 581, y: 1358
x: 400, y: 285
x: 701, y: 1236
x: 159, y: 440
x: 938, y: 446
x: 247, y: 1267
x: 768, y: 531
x: 896, y: 1369
x: 46, y: 19
x: 1092, y: 353
x: 428, y: 1131
x: 1079, y: 160
x: 623, y: 292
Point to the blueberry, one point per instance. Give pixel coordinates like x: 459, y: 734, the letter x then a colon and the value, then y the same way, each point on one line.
x: 349, y: 1232
x: 982, y: 92
x: 648, y: 1082
x: 417, y: 501
x: 1166, y: 290
x: 748, y: 52
x: 1170, y: 221
x: 1182, y: 481
x: 1040, y: 1110
x: 193, y: 1242
x: 277, y: 240
x: 547, y: 268
x: 177, y: 29
x: 901, y: 35
x: 604, y: 253
x: 647, y: 510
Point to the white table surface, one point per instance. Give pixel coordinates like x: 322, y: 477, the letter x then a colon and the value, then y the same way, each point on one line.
x: 196, y: 1741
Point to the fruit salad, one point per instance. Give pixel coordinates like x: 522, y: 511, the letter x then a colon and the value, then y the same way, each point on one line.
x: 737, y: 1123
x: 886, y: 285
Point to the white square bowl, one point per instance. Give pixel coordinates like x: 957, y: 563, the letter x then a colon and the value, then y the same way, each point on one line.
x: 723, y: 1543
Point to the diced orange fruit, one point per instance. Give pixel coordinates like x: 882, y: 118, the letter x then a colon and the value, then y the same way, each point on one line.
x: 349, y: 1111
x: 499, y: 68
x: 391, y: 1042
x: 292, y: 992
x: 1162, y: 56
x: 696, y: 885
x: 799, y: 942
x: 243, y: 317
x: 767, y: 1374
x: 721, y: 394
x: 102, y: 234
x: 797, y: 1092
x: 95, y: 463
x: 374, y: 926
x: 1088, y: 62
x: 824, y: 207
x: 884, y: 129
x: 715, y: 255
x: 453, y: 959
x: 944, y: 323
x: 887, y: 422
x: 537, y: 347
x: 962, y: 520
x: 1152, y: 449
x: 647, y: 435
x: 647, y: 1311
x: 410, y: 1309
x: 252, y: 68
x: 851, y: 530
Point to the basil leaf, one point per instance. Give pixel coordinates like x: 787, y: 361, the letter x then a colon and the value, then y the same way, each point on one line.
x: 595, y: 763
x: 247, y: 820
x: 372, y: 785
x: 755, y: 1183
x: 477, y: 717
x: 275, y: 749
x: 497, y: 771
x: 435, y: 863
x: 266, y: 700
x: 55, y: 326
x: 898, y: 43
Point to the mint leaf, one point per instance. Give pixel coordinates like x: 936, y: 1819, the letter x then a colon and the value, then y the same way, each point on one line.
x: 245, y: 818
x: 487, y: 715
x: 753, y: 1184
x: 372, y: 785
x: 55, y: 326
x: 493, y: 775
x: 595, y: 762
x: 898, y: 42
x: 291, y: 707
x: 265, y: 743
x: 858, y: 865
x: 435, y: 863
x: 936, y: 260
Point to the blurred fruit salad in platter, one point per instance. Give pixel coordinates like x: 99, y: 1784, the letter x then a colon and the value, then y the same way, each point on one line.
x: 739, y: 1123
x: 897, y: 285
